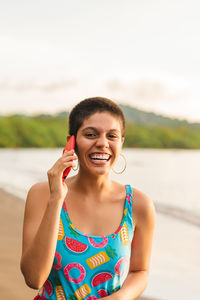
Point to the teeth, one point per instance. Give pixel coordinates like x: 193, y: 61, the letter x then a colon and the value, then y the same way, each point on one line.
x: 100, y: 156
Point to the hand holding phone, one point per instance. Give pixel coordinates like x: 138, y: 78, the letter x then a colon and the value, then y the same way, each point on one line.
x: 70, y: 145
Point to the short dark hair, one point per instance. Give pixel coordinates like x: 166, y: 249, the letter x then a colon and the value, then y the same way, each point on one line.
x: 84, y: 109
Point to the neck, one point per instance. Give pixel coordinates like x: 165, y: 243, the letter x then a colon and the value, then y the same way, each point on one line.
x: 88, y: 184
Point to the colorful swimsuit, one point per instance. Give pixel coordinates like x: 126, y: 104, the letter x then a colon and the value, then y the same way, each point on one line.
x: 86, y: 266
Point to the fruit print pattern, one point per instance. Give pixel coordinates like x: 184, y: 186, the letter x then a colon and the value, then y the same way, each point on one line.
x: 97, y: 259
x: 75, y: 246
x: 59, y: 259
x: 122, y: 267
x: 98, y: 245
x: 124, y: 235
x: 101, y: 257
x: 79, y: 267
x: 101, y: 277
x: 48, y: 287
x: 61, y: 232
x: 40, y: 292
x: 60, y: 293
x: 88, y: 267
x: 102, y: 293
x: 83, y: 291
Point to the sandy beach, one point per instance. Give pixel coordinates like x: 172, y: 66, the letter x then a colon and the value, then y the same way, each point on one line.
x: 12, y: 283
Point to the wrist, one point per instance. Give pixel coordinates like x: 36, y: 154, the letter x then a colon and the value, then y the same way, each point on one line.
x: 55, y: 202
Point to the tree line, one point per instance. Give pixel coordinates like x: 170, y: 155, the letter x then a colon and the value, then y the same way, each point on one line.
x: 18, y: 131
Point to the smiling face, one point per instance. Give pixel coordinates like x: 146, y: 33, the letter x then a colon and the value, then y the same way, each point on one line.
x: 99, y: 142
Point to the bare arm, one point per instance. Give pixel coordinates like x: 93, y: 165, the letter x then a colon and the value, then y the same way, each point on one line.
x: 137, y: 279
x: 41, y: 223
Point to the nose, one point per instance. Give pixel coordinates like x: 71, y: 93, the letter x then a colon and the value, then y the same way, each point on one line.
x: 102, y: 141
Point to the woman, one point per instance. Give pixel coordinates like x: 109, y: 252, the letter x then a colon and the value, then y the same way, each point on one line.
x: 89, y: 237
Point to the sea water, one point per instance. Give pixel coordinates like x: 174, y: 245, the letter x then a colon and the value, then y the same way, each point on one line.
x: 169, y: 177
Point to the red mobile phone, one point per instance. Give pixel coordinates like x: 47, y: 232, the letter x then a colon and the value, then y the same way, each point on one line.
x: 70, y: 145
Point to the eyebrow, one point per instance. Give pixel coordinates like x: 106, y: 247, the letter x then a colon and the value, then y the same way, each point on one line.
x: 95, y: 129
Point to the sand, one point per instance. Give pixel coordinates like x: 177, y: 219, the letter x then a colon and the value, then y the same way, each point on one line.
x: 12, y: 284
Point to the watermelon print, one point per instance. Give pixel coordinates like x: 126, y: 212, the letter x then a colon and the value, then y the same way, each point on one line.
x: 89, y: 267
x: 102, y: 293
x: 58, y: 258
x: 101, y: 278
x: 74, y: 245
x: 48, y: 287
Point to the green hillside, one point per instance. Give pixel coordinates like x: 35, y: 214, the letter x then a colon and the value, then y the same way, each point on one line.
x: 149, y: 118
x: 143, y: 130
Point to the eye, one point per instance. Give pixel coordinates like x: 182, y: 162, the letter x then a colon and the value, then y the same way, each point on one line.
x: 112, y: 136
x: 90, y: 134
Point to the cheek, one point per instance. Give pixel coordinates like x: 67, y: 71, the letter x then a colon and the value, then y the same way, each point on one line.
x: 116, y: 149
x: 117, y: 146
x: 83, y: 145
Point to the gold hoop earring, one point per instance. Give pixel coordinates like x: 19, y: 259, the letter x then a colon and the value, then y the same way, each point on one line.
x: 76, y: 166
x: 122, y: 155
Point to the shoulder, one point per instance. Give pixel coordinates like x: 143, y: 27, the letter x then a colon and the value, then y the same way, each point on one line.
x: 40, y: 188
x: 143, y: 207
x: 38, y: 194
x: 118, y: 190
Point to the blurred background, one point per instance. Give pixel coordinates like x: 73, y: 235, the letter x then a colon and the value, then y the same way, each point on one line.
x: 145, y: 56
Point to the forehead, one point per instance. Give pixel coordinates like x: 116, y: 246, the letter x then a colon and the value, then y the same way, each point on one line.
x: 102, y: 120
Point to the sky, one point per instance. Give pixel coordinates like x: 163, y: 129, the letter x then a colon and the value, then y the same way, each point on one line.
x: 143, y: 53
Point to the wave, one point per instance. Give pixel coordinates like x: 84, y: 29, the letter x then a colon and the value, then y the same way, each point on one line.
x: 178, y: 213
x: 170, y: 210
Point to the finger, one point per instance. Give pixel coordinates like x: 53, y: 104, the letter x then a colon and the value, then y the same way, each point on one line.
x: 68, y: 152
x: 69, y: 164
x: 67, y: 158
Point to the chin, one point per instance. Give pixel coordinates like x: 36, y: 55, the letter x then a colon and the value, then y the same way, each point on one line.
x: 99, y: 171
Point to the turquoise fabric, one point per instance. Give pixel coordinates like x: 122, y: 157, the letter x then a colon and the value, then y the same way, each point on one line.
x: 90, y: 267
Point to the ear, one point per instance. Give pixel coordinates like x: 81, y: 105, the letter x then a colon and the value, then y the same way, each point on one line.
x: 122, y: 139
